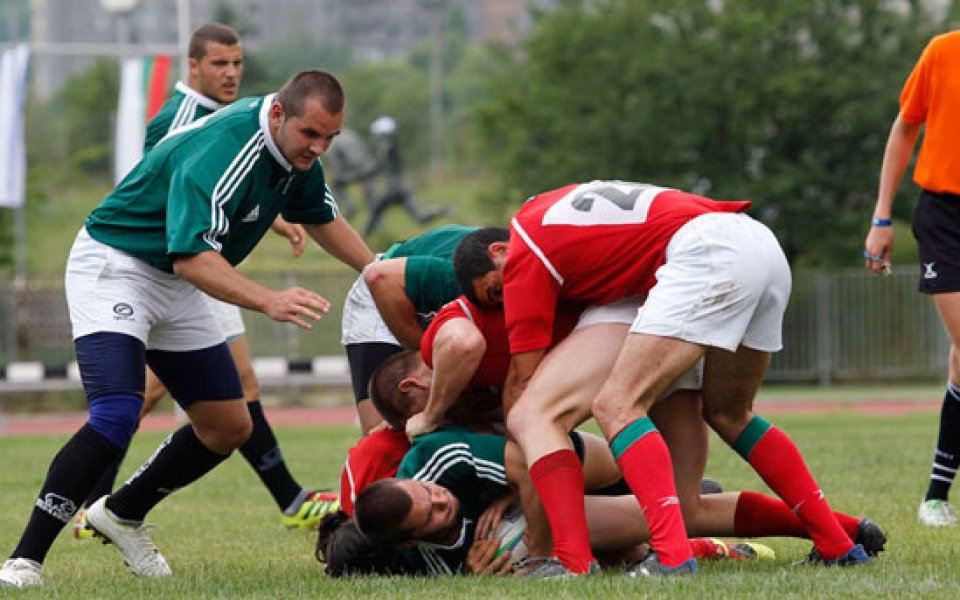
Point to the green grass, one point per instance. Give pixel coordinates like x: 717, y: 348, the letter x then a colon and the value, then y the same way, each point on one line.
x: 223, y: 538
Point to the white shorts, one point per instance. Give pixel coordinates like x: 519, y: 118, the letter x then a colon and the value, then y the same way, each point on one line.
x: 362, y: 322
x: 726, y: 283
x: 229, y: 317
x: 626, y: 311
x: 109, y: 290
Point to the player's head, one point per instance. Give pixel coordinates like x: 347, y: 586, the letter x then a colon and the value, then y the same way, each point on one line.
x: 306, y: 115
x: 399, y: 387
x: 478, y: 264
x: 215, y: 59
x: 406, y: 511
x: 346, y: 551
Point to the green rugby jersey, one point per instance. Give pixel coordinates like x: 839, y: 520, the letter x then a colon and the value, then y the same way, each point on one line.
x: 216, y: 184
x: 429, y: 280
x: 185, y: 106
x: 468, y: 464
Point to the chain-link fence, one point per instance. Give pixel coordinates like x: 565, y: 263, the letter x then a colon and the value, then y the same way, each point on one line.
x: 841, y: 326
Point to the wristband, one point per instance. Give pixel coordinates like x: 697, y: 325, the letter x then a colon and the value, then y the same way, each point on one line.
x: 878, y: 222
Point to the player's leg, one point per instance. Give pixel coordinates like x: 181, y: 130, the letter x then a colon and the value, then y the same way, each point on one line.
x: 154, y: 392
x: 731, y: 381
x: 556, y: 400
x: 935, y: 510
x: 368, y: 342
x: 646, y: 367
x: 111, y: 365
x: 110, y: 355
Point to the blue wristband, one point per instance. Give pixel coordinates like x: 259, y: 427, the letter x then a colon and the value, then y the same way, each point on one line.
x: 877, y: 222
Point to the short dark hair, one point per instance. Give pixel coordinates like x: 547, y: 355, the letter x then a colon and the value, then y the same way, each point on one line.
x: 311, y: 84
x: 380, y: 509
x: 384, y: 387
x: 211, y: 32
x: 471, y: 259
x: 343, y: 548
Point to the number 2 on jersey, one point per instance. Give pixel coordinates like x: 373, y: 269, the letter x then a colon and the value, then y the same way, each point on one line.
x: 603, y: 203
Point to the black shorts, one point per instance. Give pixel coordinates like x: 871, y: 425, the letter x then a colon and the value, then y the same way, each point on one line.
x: 363, y: 360
x: 936, y: 226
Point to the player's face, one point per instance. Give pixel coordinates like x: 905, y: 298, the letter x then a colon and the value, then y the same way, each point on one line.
x: 218, y: 72
x: 434, y: 516
x: 303, y: 138
x: 489, y: 289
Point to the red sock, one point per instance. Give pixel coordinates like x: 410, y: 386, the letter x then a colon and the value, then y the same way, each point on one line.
x: 648, y: 470
x: 778, y: 462
x: 758, y: 515
x: 558, y: 477
x: 706, y: 549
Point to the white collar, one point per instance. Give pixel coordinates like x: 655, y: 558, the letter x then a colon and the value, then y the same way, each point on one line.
x: 268, y: 137
x: 202, y: 100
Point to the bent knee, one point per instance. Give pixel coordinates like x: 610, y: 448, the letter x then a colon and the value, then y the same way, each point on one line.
x: 226, y: 436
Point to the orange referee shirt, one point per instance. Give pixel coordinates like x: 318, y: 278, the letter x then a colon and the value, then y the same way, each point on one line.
x: 931, y: 96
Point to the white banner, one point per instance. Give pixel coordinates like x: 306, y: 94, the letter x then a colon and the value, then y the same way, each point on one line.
x: 130, y: 127
x: 13, y: 155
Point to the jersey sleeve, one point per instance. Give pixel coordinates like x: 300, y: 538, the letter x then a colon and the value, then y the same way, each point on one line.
x: 429, y: 283
x: 450, y: 311
x: 915, y: 94
x: 530, y: 296
x: 313, y: 201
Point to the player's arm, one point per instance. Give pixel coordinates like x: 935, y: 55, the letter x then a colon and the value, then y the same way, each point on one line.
x: 210, y: 272
x: 538, y: 538
x: 522, y: 367
x: 900, y: 143
x: 294, y: 233
x: 341, y: 241
x: 458, y: 349
x: 387, y: 282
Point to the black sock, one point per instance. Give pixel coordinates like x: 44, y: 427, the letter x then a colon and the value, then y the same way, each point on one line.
x: 263, y: 453
x: 947, y: 457
x: 105, y: 485
x: 73, y: 471
x: 179, y: 461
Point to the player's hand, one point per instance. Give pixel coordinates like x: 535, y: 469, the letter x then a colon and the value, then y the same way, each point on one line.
x: 294, y: 232
x: 877, y: 250
x: 488, y: 521
x: 298, y: 306
x: 418, y: 425
x: 482, y: 558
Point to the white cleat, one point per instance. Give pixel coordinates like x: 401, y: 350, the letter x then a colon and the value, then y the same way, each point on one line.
x: 140, y: 553
x: 21, y: 573
x: 936, y: 513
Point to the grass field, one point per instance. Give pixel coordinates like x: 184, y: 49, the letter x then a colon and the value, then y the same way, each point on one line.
x: 223, y: 539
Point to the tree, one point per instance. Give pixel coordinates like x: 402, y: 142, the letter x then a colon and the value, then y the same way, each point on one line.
x: 788, y: 104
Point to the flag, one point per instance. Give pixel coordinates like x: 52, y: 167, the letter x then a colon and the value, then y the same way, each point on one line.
x: 13, y: 155
x: 143, y: 90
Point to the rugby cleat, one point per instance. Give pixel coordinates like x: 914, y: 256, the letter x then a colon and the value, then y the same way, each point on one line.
x: 314, y: 508
x: 651, y: 567
x: 20, y: 573
x: 854, y: 556
x: 139, y: 551
x: 741, y: 550
x: 936, y: 513
x: 870, y: 536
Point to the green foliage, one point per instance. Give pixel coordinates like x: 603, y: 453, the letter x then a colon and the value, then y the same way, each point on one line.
x: 788, y: 104
x: 390, y: 88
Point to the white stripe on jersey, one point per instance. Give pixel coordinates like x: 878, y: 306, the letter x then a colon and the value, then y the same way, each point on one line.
x: 536, y: 250
x: 330, y: 201
x: 466, y: 309
x: 446, y: 457
x: 186, y: 113
x: 228, y: 183
x: 435, y: 564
